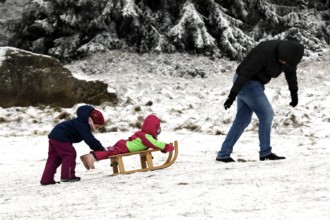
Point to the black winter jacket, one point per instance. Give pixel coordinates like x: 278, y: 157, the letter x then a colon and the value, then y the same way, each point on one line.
x: 262, y: 64
x: 77, y: 129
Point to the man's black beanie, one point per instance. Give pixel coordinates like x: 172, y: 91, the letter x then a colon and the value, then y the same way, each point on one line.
x: 291, y: 52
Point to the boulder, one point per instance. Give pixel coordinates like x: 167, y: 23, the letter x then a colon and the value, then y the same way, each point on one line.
x: 29, y: 79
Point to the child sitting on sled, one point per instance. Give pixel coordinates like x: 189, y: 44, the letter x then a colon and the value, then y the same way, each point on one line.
x: 141, y: 140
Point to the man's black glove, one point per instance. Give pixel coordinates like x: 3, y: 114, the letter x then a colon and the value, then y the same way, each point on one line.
x: 294, y: 99
x: 230, y: 100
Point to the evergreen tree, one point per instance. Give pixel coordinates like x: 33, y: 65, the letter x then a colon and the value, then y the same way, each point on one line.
x: 71, y: 28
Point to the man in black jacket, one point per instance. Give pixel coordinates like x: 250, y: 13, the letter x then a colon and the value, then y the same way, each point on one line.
x: 267, y: 60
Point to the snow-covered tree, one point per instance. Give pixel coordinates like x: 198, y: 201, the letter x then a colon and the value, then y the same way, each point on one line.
x: 71, y: 28
x: 191, y: 31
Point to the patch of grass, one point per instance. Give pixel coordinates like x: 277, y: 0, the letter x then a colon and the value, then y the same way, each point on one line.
x: 102, y: 129
x: 64, y: 116
x: 137, y: 108
x: 188, y: 126
x: 219, y: 132
x: 137, y: 124
x: 113, y: 129
x: 34, y: 121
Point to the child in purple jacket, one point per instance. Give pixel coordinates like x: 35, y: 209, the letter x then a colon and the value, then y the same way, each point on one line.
x: 61, y: 138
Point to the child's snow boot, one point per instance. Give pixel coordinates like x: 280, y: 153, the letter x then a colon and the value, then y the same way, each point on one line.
x: 74, y: 179
x: 48, y: 183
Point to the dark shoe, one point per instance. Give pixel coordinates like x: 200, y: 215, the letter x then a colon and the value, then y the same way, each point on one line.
x: 49, y: 183
x: 225, y: 160
x: 272, y: 156
x: 74, y: 179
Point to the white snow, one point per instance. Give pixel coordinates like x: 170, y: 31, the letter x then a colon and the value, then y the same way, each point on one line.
x: 3, y: 52
x: 129, y: 9
x: 46, y: 25
x: 69, y: 18
x: 42, y: 3
x: 191, y: 109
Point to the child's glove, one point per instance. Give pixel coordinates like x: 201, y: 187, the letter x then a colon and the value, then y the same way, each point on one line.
x: 168, y: 148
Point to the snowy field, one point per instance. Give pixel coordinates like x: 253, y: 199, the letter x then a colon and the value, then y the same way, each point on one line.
x: 191, y: 110
x: 196, y: 186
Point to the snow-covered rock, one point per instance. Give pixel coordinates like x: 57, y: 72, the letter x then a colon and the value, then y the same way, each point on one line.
x: 33, y: 79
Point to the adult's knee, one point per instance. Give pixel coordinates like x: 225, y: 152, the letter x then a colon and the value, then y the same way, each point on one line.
x: 266, y: 115
x: 243, y: 121
x: 247, y: 122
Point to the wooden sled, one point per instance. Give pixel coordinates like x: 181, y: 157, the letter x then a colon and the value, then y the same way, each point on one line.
x: 117, y: 163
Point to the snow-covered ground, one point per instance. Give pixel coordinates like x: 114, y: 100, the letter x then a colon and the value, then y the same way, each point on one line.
x: 196, y: 186
x: 191, y: 110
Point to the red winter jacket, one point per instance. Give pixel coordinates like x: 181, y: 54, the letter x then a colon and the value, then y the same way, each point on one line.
x: 145, y: 138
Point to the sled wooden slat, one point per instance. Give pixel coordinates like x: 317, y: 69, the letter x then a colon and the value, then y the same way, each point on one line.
x: 146, y: 159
